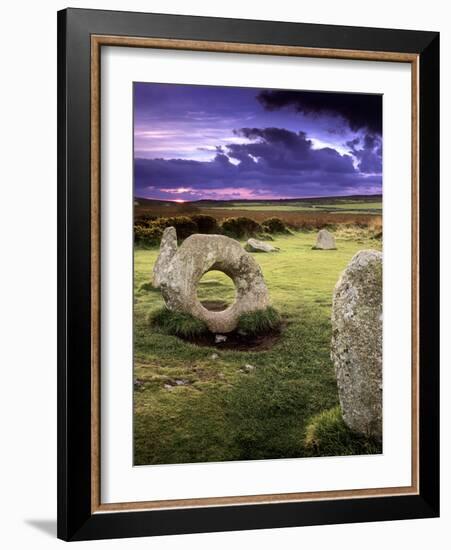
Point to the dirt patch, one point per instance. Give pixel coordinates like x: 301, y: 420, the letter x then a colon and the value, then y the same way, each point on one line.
x: 239, y: 341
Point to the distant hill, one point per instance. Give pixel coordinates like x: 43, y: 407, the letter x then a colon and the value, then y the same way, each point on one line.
x: 140, y: 201
x: 224, y: 203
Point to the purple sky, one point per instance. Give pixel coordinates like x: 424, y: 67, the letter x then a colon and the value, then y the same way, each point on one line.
x: 214, y: 142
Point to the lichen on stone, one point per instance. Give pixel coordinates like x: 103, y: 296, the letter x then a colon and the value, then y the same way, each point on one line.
x: 356, y: 348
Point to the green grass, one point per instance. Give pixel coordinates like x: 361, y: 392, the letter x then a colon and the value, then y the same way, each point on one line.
x: 223, y: 411
x: 352, y: 206
x: 327, y: 435
x: 216, y: 285
x: 177, y: 324
x: 260, y: 322
x: 304, y: 207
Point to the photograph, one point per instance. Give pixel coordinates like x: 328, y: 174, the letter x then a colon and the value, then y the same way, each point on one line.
x: 257, y: 321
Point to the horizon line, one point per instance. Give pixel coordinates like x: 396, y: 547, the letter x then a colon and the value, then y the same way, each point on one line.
x: 238, y: 199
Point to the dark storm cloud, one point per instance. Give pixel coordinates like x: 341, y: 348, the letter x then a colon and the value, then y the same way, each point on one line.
x: 273, y: 161
x: 361, y: 111
x: 282, y: 149
x: 368, y: 153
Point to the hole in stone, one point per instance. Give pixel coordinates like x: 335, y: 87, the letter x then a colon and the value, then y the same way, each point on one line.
x: 216, y: 291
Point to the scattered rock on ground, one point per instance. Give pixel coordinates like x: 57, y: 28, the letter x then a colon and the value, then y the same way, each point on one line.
x: 248, y: 367
x: 357, y: 342
x: 176, y: 382
x: 325, y: 241
x: 214, y: 356
x: 253, y: 245
x: 220, y: 338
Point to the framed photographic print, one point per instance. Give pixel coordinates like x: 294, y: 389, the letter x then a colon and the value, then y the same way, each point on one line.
x: 248, y: 274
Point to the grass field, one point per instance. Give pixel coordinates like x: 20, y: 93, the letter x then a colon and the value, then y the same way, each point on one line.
x: 367, y: 207
x: 195, y: 403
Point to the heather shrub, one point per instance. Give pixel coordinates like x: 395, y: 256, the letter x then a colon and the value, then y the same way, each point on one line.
x: 144, y: 220
x: 241, y: 227
x: 184, y: 226
x: 147, y: 236
x: 274, y: 226
x: 206, y: 224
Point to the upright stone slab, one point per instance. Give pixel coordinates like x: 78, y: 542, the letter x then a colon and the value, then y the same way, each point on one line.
x: 357, y: 342
x: 168, y: 247
x: 325, y: 241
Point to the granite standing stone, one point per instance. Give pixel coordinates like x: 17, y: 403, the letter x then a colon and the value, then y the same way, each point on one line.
x: 168, y: 248
x: 357, y: 342
x: 324, y: 241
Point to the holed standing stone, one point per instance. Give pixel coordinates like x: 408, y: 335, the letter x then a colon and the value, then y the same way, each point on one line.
x: 179, y: 270
x: 357, y: 342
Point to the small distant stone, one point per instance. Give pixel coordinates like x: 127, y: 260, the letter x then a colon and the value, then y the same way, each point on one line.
x: 220, y: 338
x: 181, y: 382
x: 253, y: 245
x: 325, y: 241
x: 214, y: 356
x: 167, y: 387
